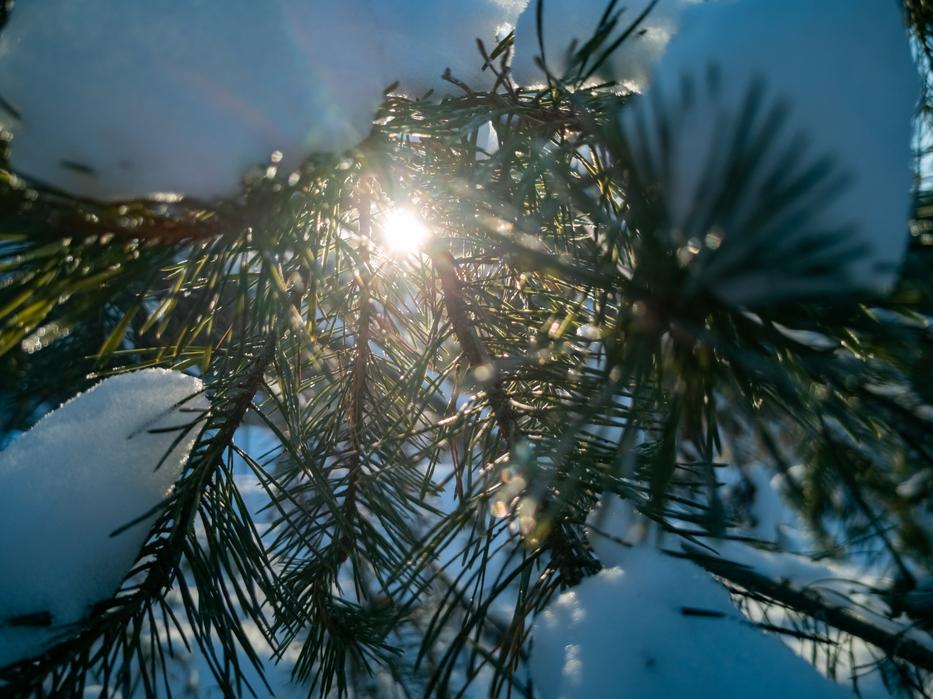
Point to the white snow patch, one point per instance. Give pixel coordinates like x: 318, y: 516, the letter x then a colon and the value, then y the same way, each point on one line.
x: 133, y: 99
x: 812, y: 339
x: 623, y: 632
x: 850, y: 88
x: 148, y: 97
x: 768, y: 509
x: 915, y: 486
x: 487, y: 141
x: 83, y: 471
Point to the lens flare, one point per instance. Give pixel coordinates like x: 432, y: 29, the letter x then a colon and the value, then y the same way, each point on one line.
x: 403, y: 231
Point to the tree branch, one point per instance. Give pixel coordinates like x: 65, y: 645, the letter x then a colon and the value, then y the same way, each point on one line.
x: 472, y: 346
x: 122, y: 611
x: 811, y: 603
x: 357, y: 392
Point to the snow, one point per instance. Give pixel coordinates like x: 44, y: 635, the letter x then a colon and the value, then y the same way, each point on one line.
x: 190, y: 673
x: 768, y: 510
x: 156, y: 97
x: 83, y: 471
x: 915, y: 486
x: 850, y: 583
x: 569, y: 21
x: 487, y: 141
x: 840, y: 584
x: 134, y: 99
x: 624, y: 632
x: 850, y: 99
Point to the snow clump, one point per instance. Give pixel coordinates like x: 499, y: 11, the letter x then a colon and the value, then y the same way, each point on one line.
x: 81, y: 473
x: 658, y: 627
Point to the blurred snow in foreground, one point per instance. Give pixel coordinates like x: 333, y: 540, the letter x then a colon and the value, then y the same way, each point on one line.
x: 83, y: 471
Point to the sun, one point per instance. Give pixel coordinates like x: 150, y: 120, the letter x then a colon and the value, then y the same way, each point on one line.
x: 403, y: 230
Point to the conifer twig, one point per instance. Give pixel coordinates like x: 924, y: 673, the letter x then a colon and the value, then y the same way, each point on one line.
x: 472, y: 346
x: 811, y: 603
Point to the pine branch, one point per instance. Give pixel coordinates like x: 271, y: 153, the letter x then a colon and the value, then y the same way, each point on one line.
x: 566, y: 237
x: 472, y: 346
x: 357, y: 381
x: 69, y: 660
x: 811, y: 603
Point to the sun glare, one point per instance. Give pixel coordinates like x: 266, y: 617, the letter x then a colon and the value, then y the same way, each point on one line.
x: 403, y: 231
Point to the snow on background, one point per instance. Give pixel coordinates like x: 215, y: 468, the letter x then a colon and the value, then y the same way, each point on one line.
x: 149, y: 97
x: 124, y: 100
x: 130, y: 99
x: 569, y: 24
x: 82, y: 472
x: 850, y: 99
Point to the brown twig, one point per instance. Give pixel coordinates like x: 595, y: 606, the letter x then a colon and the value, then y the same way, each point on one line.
x: 471, y: 345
